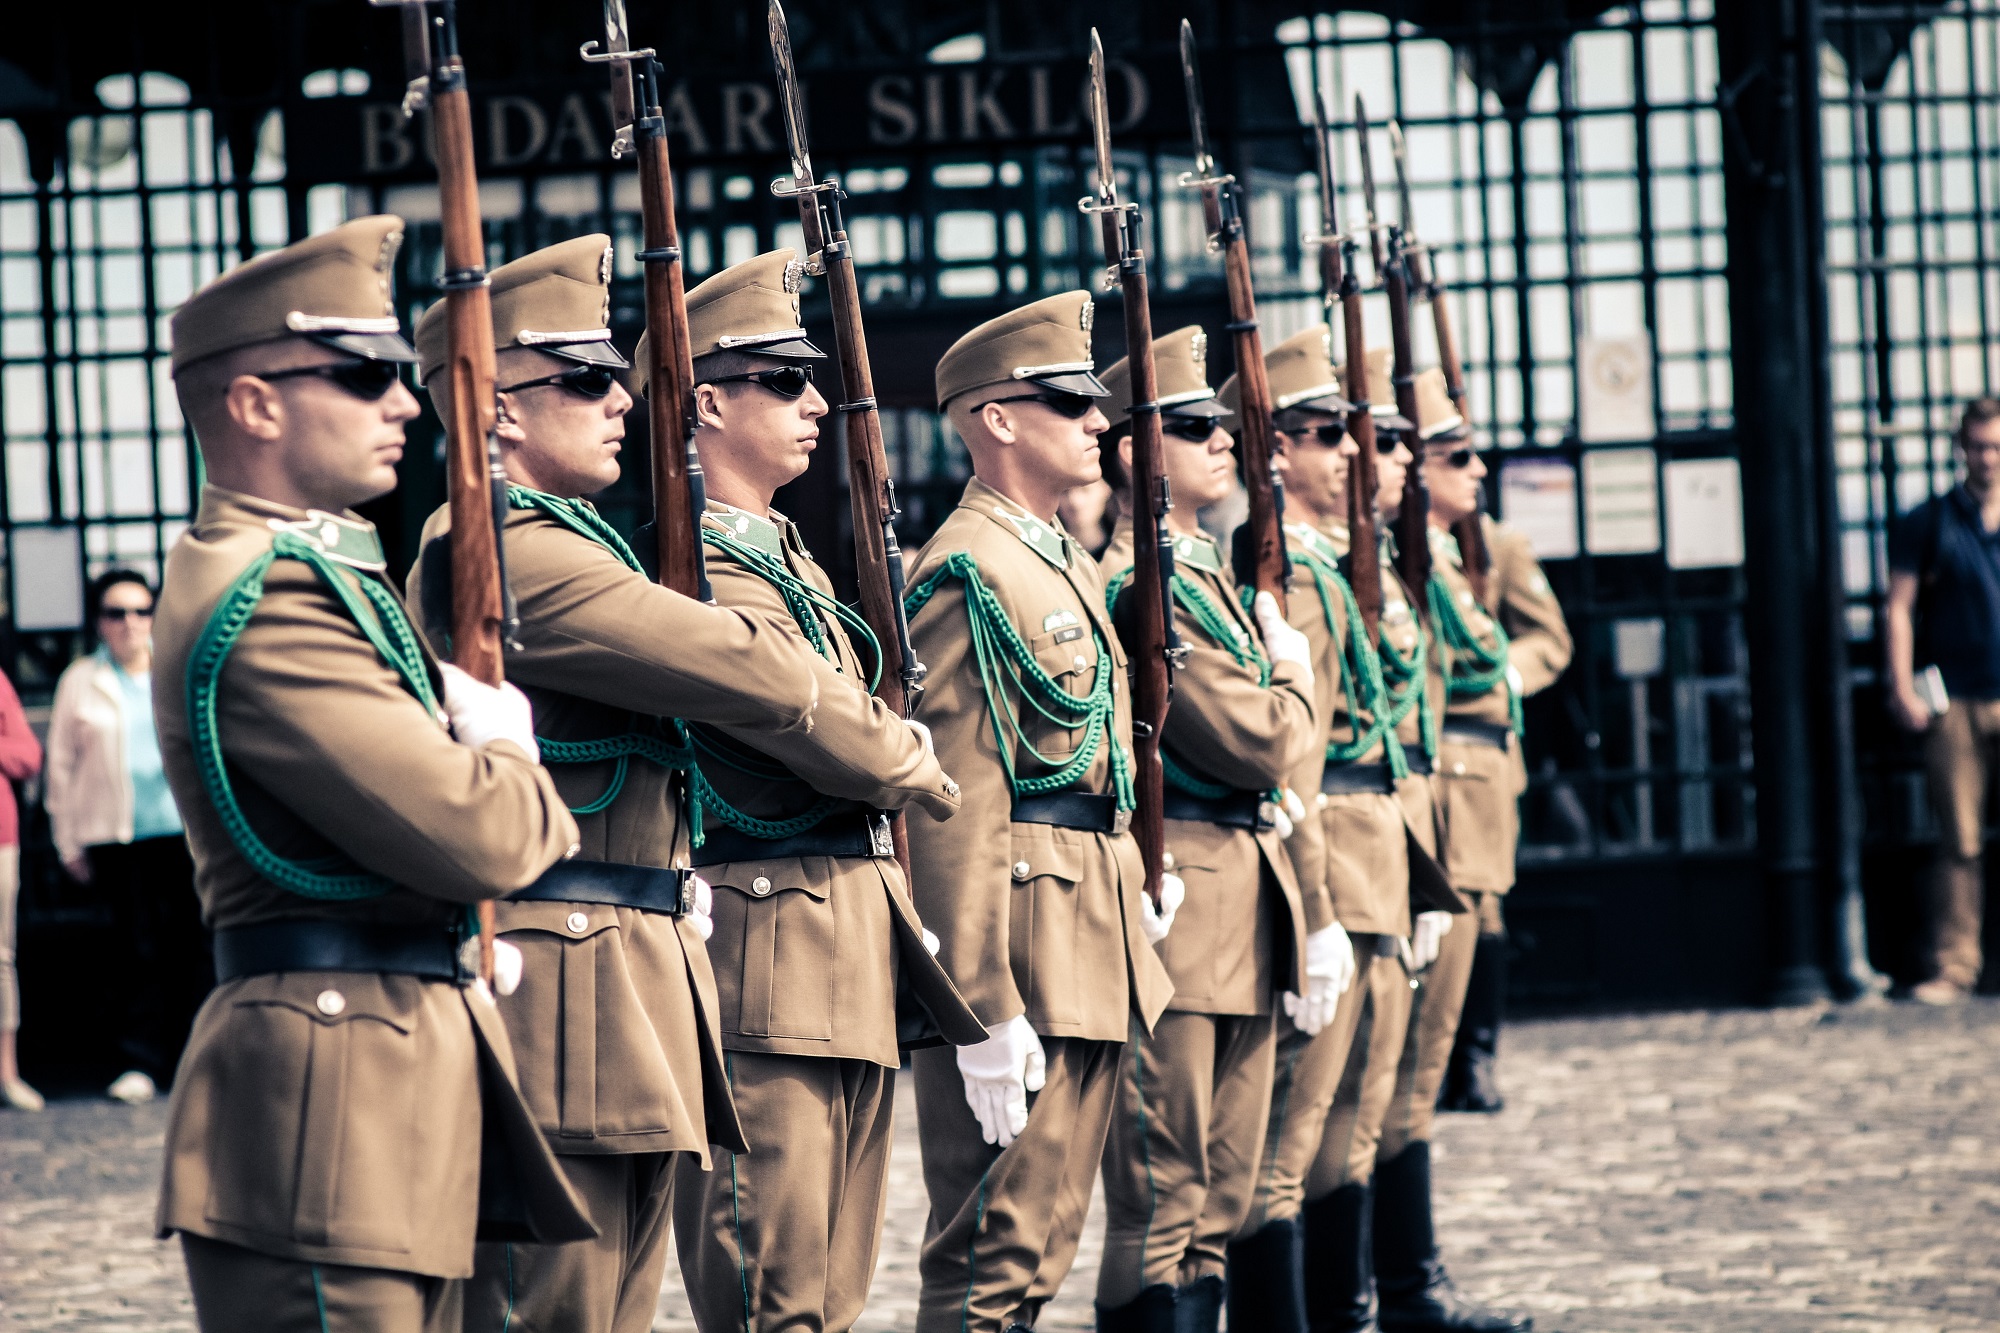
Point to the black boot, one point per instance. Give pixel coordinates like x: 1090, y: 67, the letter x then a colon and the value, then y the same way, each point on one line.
x: 1416, y: 1292
x: 1471, y: 1080
x: 1151, y: 1312
x: 1339, y: 1266
x: 1200, y: 1308
x: 1265, y: 1291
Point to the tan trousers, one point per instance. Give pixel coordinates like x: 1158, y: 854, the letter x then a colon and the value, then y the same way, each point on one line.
x: 1346, y: 1149
x: 786, y: 1237
x: 607, y: 1285
x: 1304, y: 1080
x: 1004, y: 1225
x: 10, y: 982
x: 241, y: 1291
x: 1435, y: 1007
x: 1181, y: 1160
x: 1959, y: 752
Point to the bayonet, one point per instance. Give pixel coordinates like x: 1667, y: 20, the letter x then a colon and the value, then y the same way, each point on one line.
x: 617, y: 56
x: 1204, y: 160
x: 1406, y: 217
x: 1375, y: 250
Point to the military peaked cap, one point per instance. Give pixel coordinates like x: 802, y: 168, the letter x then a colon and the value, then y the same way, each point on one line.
x: 751, y: 307
x: 1437, y: 416
x: 1301, y: 374
x: 1381, y: 391
x: 556, y: 300
x: 1044, y: 343
x: 332, y: 288
x: 1180, y: 378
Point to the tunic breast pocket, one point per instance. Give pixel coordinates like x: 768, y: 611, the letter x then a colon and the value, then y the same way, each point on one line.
x: 1047, y: 865
x: 784, y: 927
x: 315, y: 1096
x: 1069, y: 657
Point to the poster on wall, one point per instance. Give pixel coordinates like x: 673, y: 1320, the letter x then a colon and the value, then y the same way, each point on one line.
x: 48, y: 578
x: 1614, y: 390
x: 1621, y: 501
x: 1538, y: 499
x: 1704, y: 513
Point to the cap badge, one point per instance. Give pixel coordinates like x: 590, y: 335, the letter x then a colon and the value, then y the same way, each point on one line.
x: 604, y: 268
x: 1198, y: 349
x: 1089, y: 315
x: 795, y: 277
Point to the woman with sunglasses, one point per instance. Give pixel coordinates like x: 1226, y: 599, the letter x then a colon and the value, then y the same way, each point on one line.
x: 1194, y: 1093
x: 116, y: 828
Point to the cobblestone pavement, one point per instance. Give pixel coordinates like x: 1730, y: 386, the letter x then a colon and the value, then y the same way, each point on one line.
x: 1784, y: 1172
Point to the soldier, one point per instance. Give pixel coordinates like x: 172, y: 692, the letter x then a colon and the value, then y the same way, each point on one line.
x: 814, y: 927
x: 616, y: 1018
x: 1370, y: 846
x: 1036, y: 889
x: 1195, y: 1093
x: 1497, y: 646
x: 346, y: 1113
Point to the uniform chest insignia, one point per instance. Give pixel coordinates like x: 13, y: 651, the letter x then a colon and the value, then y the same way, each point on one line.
x: 1198, y: 553
x: 352, y: 544
x: 1057, y: 619
x: 758, y: 533
x: 1039, y: 537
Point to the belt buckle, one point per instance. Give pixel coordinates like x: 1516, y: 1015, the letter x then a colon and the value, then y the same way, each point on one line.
x: 687, y: 891
x: 880, y: 841
x: 1121, y: 821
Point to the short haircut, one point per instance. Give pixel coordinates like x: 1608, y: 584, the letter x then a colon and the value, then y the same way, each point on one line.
x: 1977, y: 413
x: 93, y: 597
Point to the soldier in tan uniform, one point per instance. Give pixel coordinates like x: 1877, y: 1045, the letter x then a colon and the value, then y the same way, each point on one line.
x: 1480, y: 778
x: 346, y: 1113
x: 1194, y: 1095
x: 1371, y: 846
x: 616, y: 1021
x: 1036, y: 888
x: 814, y: 927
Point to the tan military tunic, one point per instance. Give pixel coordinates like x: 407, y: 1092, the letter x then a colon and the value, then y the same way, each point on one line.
x: 1033, y: 920
x: 808, y: 953
x: 335, y: 1117
x: 1194, y: 1095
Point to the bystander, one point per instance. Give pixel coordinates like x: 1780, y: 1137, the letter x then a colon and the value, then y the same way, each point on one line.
x: 20, y: 759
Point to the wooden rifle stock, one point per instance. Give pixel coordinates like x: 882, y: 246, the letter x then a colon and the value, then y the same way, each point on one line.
x: 1413, y: 544
x: 1270, y: 569
x: 1468, y: 531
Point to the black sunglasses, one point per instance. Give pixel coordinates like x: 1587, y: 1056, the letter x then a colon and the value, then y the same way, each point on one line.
x: 785, y: 381
x: 365, y: 379
x: 126, y: 613
x: 1330, y: 434
x: 584, y: 381
x: 1195, y: 430
x: 1075, y: 406
x: 1457, y: 458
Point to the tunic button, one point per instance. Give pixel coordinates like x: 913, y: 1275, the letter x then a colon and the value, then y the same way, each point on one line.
x: 577, y: 923
x: 331, y: 1002
x: 1166, y: 860
x: 761, y: 887
x: 1458, y: 770
x: 1022, y: 869
x: 1081, y: 661
x: 950, y: 787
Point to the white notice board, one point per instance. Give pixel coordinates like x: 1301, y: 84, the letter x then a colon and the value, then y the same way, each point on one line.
x: 1621, y: 501
x: 1704, y: 513
x: 48, y: 578
x: 1538, y: 499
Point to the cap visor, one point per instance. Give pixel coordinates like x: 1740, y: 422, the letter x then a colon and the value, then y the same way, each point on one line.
x: 1392, y: 421
x: 1200, y: 407
x: 1332, y: 402
x: 590, y: 354
x: 791, y: 349
x: 370, y: 346
x: 1449, y: 430
x: 1079, y: 382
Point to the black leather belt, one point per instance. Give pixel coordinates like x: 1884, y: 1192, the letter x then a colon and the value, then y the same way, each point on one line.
x: 337, y: 946
x: 613, y: 884
x: 1498, y: 735
x: 1419, y: 762
x: 836, y: 835
x: 1093, y: 812
x: 1236, y: 810
x: 1348, y: 779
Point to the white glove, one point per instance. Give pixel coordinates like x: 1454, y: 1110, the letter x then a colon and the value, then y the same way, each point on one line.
x: 932, y: 943
x: 1294, y: 807
x: 923, y: 734
x: 703, y: 915
x: 1284, y: 643
x: 1270, y: 812
x: 1431, y: 928
x: 999, y: 1074
x: 1329, y: 972
x: 506, y: 963
x: 480, y: 713
x: 1157, y: 922
x: 1514, y: 681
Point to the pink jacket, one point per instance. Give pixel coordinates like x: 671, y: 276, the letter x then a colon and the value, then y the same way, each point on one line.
x: 20, y: 759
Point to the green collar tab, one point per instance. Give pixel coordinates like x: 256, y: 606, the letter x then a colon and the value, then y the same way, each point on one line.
x: 1198, y: 553
x: 759, y: 534
x: 353, y: 544
x: 1039, y: 537
x: 1313, y: 540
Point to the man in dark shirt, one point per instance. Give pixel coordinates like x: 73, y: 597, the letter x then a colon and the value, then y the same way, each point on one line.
x: 1944, y: 611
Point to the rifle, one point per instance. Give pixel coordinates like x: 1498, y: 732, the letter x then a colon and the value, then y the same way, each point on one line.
x: 1412, y: 526
x: 1260, y: 560
x: 482, y: 608
x: 1340, y: 294
x: 878, y: 556
x: 1156, y: 647
x: 679, y: 495
x: 1471, y: 534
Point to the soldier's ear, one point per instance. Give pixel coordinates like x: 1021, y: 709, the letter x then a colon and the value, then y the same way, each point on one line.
x: 255, y: 406
x: 507, y: 421
x: 708, y: 405
x: 998, y: 423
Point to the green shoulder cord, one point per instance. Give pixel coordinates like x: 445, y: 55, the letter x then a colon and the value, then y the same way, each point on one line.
x: 669, y: 750
x: 1476, y: 667
x: 1361, y: 671
x: 1224, y: 632
x: 1010, y: 675
x: 801, y: 599
x: 382, y: 619
x: 1404, y: 677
